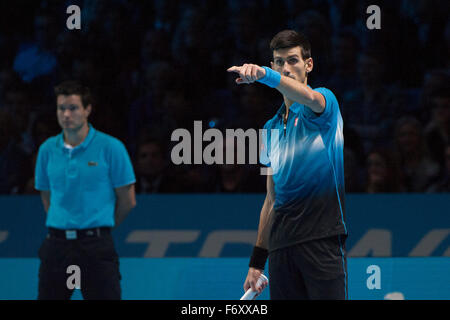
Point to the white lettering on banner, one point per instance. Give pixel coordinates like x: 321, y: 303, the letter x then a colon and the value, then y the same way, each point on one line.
x: 159, y: 240
x: 374, y: 243
x: 74, y: 21
x: 378, y: 242
x: 3, y: 236
x: 218, y: 239
x: 447, y: 252
x: 374, y: 21
x: 74, y: 280
x: 374, y: 281
x: 430, y: 242
x: 394, y: 296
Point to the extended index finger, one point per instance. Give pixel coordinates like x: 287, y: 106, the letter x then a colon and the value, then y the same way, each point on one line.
x: 234, y: 69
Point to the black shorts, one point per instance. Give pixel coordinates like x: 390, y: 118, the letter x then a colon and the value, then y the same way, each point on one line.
x: 313, y: 270
x: 98, y: 263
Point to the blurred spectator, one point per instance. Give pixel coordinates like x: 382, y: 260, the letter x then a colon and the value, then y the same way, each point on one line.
x: 255, y: 106
x: 437, y: 131
x: 443, y: 182
x: 369, y: 109
x: 446, y: 50
x: 195, y: 178
x: 246, y: 30
x: 147, y: 111
x: 232, y: 178
x: 190, y: 47
x: 352, y: 172
x: 166, y: 14
x: 354, y: 161
x: 68, y: 47
x: 436, y: 84
x: 13, y: 161
x: 236, y: 177
x: 37, y: 58
x: 17, y: 101
x: 29, y: 188
x: 430, y: 19
x: 383, y: 172
x: 342, y: 13
x: 155, y: 47
x: 419, y: 169
x: 317, y: 29
x: 158, y: 65
x: 345, y: 52
x: 44, y: 127
x: 153, y: 174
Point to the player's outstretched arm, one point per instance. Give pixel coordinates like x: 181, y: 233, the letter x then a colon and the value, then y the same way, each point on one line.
x: 292, y: 89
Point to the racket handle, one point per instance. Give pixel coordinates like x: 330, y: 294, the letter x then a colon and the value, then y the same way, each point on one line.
x: 250, y: 294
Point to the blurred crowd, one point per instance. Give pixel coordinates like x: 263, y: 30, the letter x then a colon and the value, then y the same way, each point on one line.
x: 154, y: 66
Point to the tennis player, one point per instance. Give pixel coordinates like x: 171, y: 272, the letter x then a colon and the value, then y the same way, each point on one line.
x: 302, y: 227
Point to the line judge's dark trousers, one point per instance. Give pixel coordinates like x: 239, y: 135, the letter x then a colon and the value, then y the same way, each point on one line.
x: 98, y: 263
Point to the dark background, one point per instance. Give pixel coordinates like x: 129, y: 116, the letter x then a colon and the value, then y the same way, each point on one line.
x: 154, y: 66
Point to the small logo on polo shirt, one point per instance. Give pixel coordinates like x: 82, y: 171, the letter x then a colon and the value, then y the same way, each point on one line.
x: 92, y: 164
x: 296, y: 121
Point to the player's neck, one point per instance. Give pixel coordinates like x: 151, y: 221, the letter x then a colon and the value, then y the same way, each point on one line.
x: 288, y: 102
x: 76, y: 136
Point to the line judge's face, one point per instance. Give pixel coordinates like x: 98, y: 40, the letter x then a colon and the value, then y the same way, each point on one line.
x: 71, y: 113
x: 289, y: 62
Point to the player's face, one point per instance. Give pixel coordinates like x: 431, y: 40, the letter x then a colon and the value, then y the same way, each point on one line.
x: 71, y: 113
x: 289, y: 63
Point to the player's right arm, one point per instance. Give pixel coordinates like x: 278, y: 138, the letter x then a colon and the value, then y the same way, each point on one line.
x: 263, y: 235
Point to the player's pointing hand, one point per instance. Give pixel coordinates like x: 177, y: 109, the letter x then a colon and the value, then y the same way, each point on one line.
x: 248, y: 73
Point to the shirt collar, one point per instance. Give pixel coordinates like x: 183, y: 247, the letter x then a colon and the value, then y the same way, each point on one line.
x: 295, y: 107
x: 84, y: 144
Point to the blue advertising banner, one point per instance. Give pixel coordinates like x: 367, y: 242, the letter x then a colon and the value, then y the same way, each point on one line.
x: 217, y: 225
x: 223, y: 278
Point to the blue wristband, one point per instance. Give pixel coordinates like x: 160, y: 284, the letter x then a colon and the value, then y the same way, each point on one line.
x: 271, y: 79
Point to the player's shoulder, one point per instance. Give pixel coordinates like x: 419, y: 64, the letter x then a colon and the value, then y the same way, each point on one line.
x: 327, y: 93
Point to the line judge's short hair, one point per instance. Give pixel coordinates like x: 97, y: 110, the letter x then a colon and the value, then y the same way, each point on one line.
x: 289, y: 39
x: 71, y: 87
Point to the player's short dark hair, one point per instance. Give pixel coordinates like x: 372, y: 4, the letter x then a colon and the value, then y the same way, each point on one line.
x: 289, y: 39
x: 71, y: 87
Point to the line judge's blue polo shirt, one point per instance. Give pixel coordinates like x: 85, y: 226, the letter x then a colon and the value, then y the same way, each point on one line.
x: 81, y: 181
x: 308, y: 173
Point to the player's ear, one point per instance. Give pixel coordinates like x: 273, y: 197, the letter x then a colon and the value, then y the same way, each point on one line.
x: 271, y: 64
x: 309, y: 64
